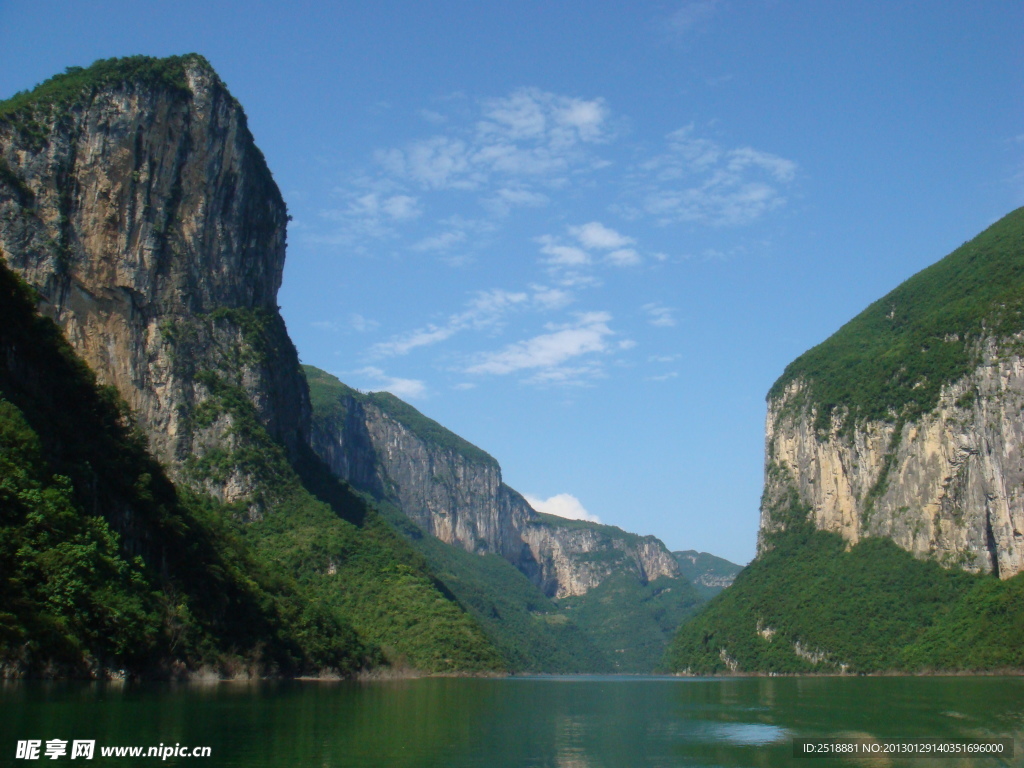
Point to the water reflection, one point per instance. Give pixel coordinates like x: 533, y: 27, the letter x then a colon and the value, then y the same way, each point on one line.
x: 593, y: 722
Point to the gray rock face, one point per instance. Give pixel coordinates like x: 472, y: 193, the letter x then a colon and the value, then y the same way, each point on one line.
x: 459, y: 497
x: 149, y: 224
x: 949, y: 486
x: 574, y: 560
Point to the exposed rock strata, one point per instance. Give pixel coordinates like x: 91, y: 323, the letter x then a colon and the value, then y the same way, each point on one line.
x: 949, y: 486
x: 457, y: 495
x: 147, y: 220
x: 574, y: 560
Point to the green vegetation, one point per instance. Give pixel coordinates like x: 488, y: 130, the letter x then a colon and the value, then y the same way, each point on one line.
x: 620, y: 626
x: 110, y: 566
x: 981, y: 631
x: 891, y: 361
x: 77, y: 84
x: 608, y: 532
x: 17, y: 185
x: 327, y: 395
x: 526, y: 626
x: 347, y: 560
x: 695, y: 565
x: 359, y: 568
x: 632, y: 623
x: 105, y: 564
x: 872, y: 607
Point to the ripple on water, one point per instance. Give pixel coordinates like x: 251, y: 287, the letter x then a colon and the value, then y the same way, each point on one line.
x: 749, y: 734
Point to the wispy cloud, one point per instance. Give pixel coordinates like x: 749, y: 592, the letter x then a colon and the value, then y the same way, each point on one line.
x: 657, y: 315
x: 561, y: 505
x: 697, y: 180
x: 596, y: 235
x: 404, y: 388
x: 561, y: 255
x: 503, y: 201
x: 486, y: 310
x: 440, y: 242
x: 528, y: 136
x: 591, y: 239
x: 548, y: 353
x: 624, y: 257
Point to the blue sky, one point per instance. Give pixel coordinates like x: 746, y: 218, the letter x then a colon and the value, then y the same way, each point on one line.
x: 588, y: 236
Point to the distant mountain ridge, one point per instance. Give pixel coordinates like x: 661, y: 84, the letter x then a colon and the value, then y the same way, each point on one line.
x: 453, y: 491
x: 710, y: 574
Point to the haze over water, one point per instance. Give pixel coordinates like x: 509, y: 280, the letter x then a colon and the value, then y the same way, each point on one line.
x: 568, y: 722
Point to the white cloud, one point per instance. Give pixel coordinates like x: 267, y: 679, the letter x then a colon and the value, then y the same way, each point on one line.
x: 550, y: 298
x: 595, y: 235
x: 363, y: 214
x: 529, y: 134
x: 403, y: 388
x: 399, y: 207
x: 562, y: 505
x: 589, y: 334
x: 566, y: 376
x: 663, y: 376
x: 505, y: 199
x: 562, y: 255
x: 421, y: 337
x: 697, y: 180
x: 744, y: 157
x: 486, y: 309
x: 624, y: 257
x: 441, y: 242
x: 663, y: 317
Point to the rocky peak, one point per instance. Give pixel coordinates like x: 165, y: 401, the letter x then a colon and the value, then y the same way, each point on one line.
x: 134, y: 200
x: 454, y: 491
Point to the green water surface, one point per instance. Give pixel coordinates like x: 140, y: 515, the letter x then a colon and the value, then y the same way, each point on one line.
x: 568, y: 722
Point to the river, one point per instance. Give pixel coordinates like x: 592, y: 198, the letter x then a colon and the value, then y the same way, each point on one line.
x: 562, y: 722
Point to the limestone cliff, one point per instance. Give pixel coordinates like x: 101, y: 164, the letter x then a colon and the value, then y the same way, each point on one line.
x: 908, y: 422
x: 133, y: 199
x: 453, y: 490
x: 948, y: 486
x: 576, y: 556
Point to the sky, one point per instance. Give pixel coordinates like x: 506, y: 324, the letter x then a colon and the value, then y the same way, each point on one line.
x: 589, y: 236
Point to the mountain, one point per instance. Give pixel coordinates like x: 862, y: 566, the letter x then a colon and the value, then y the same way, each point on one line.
x: 906, y: 422
x: 136, y: 205
x: 108, y: 568
x: 622, y: 592
x: 708, y: 573
x: 893, y: 508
